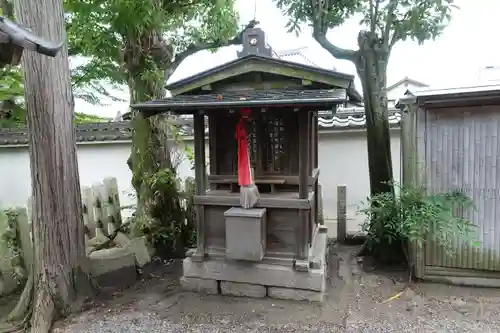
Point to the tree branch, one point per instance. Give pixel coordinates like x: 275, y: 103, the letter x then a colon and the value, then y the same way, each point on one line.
x: 200, y: 46
x: 337, y: 52
x: 374, y: 18
x: 320, y: 29
x: 391, y: 7
x: 396, y: 36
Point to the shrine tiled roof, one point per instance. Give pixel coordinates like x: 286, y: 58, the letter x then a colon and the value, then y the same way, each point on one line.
x: 249, y: 98
x: 353, y: 120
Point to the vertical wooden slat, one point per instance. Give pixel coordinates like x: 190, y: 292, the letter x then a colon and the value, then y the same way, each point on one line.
x: 304, y: 145
x: 212, y: 144
x: 200, y: 177
x: 304, y: 121
x: 458, y: 162
x: 420, y: 169
x: 199, y: 152
x: 433, y: 147
x: 315, y: 127
x: 311, y: 141
x: 484, y: 187
x: 468, y: 181
x: 496, y: 213
x: 447, y: 166
x: 314, y: 162
x: 476, y: 192
x: 490, y: 170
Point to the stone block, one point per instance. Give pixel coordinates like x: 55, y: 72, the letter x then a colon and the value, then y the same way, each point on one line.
x: 113, y: 267
x: 242, y: 289
x: 204, y: 286
x: 296, y: 294
x: 139, y: 248
x: 318, y: 250
x: 245, y: 233
x: 255, y: 273
x: 122, y: 240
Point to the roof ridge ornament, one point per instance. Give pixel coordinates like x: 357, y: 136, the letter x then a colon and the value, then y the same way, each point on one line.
x: 254, y: 43
x: 21, y: 38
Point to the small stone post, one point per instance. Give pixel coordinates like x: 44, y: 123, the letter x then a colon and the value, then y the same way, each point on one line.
x: 341, y: 213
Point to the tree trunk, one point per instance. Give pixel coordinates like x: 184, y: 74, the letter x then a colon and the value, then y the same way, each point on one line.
x: 371, y: 66
x: 61, y: 265
x: 159, y: 212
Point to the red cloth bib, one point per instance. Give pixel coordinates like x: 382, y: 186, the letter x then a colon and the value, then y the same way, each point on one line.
x: 244, y: 177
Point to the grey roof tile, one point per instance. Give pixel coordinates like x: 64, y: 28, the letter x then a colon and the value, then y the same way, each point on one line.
x: 122, y: 130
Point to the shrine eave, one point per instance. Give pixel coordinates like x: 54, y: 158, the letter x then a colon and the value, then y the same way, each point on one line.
x: 320, y: 98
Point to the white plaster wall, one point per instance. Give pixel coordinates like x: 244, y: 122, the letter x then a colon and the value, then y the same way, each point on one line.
x: 95, y: 161
x: 343, y: 160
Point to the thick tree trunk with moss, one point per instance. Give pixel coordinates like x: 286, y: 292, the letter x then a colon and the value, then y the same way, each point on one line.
x: 371, y: 66
x: 159, y: 213
x: 60, y: 270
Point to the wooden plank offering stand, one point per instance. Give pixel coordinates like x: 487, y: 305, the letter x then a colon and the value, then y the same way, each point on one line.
x: 262, y: 133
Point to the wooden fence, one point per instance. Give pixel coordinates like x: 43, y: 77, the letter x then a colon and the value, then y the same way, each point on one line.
x: 101, y: 215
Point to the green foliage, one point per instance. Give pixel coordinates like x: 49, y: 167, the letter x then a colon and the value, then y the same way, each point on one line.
x: 171, y: 227
x: 83, y: 118
x: 302, y: 12
x: 11, y: 83
x: 390, y: 20
x: 414, y: 217
x: 12, y: 110
x: 102, y: 32
x: 12, y: 239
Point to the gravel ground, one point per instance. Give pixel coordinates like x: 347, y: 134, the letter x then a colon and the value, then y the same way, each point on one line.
x: 357, y: 301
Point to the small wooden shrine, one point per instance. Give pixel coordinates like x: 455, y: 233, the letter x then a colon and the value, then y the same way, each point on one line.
x: 275, y: 248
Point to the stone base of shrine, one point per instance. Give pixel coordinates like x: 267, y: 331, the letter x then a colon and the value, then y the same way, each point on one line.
x: 260, y: 279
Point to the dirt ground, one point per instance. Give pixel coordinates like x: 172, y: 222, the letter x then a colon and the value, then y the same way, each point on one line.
x: 357, y: 301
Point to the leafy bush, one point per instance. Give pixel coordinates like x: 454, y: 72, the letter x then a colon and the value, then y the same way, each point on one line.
x: 171, y: 228
x: 414, y: 217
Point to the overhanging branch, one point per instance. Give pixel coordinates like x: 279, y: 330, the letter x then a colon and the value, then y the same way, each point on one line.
x: 374, y: 16
x: 201, y: 46
x: 391, y: 7
x: 337, y: 52
x: 396, y: 35
x: 320, y: 27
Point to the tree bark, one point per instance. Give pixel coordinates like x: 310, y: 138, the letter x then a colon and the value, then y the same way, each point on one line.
x: 371, y: 65
x: 60, y: 270
x: 158, y: 211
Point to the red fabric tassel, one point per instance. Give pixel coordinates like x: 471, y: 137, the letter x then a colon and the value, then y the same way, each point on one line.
x: 244, y: 177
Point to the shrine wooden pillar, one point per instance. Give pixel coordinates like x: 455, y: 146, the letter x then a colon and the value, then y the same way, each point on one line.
x: 315, y: 163
x: 304, y: 172
x: 200, y: 182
